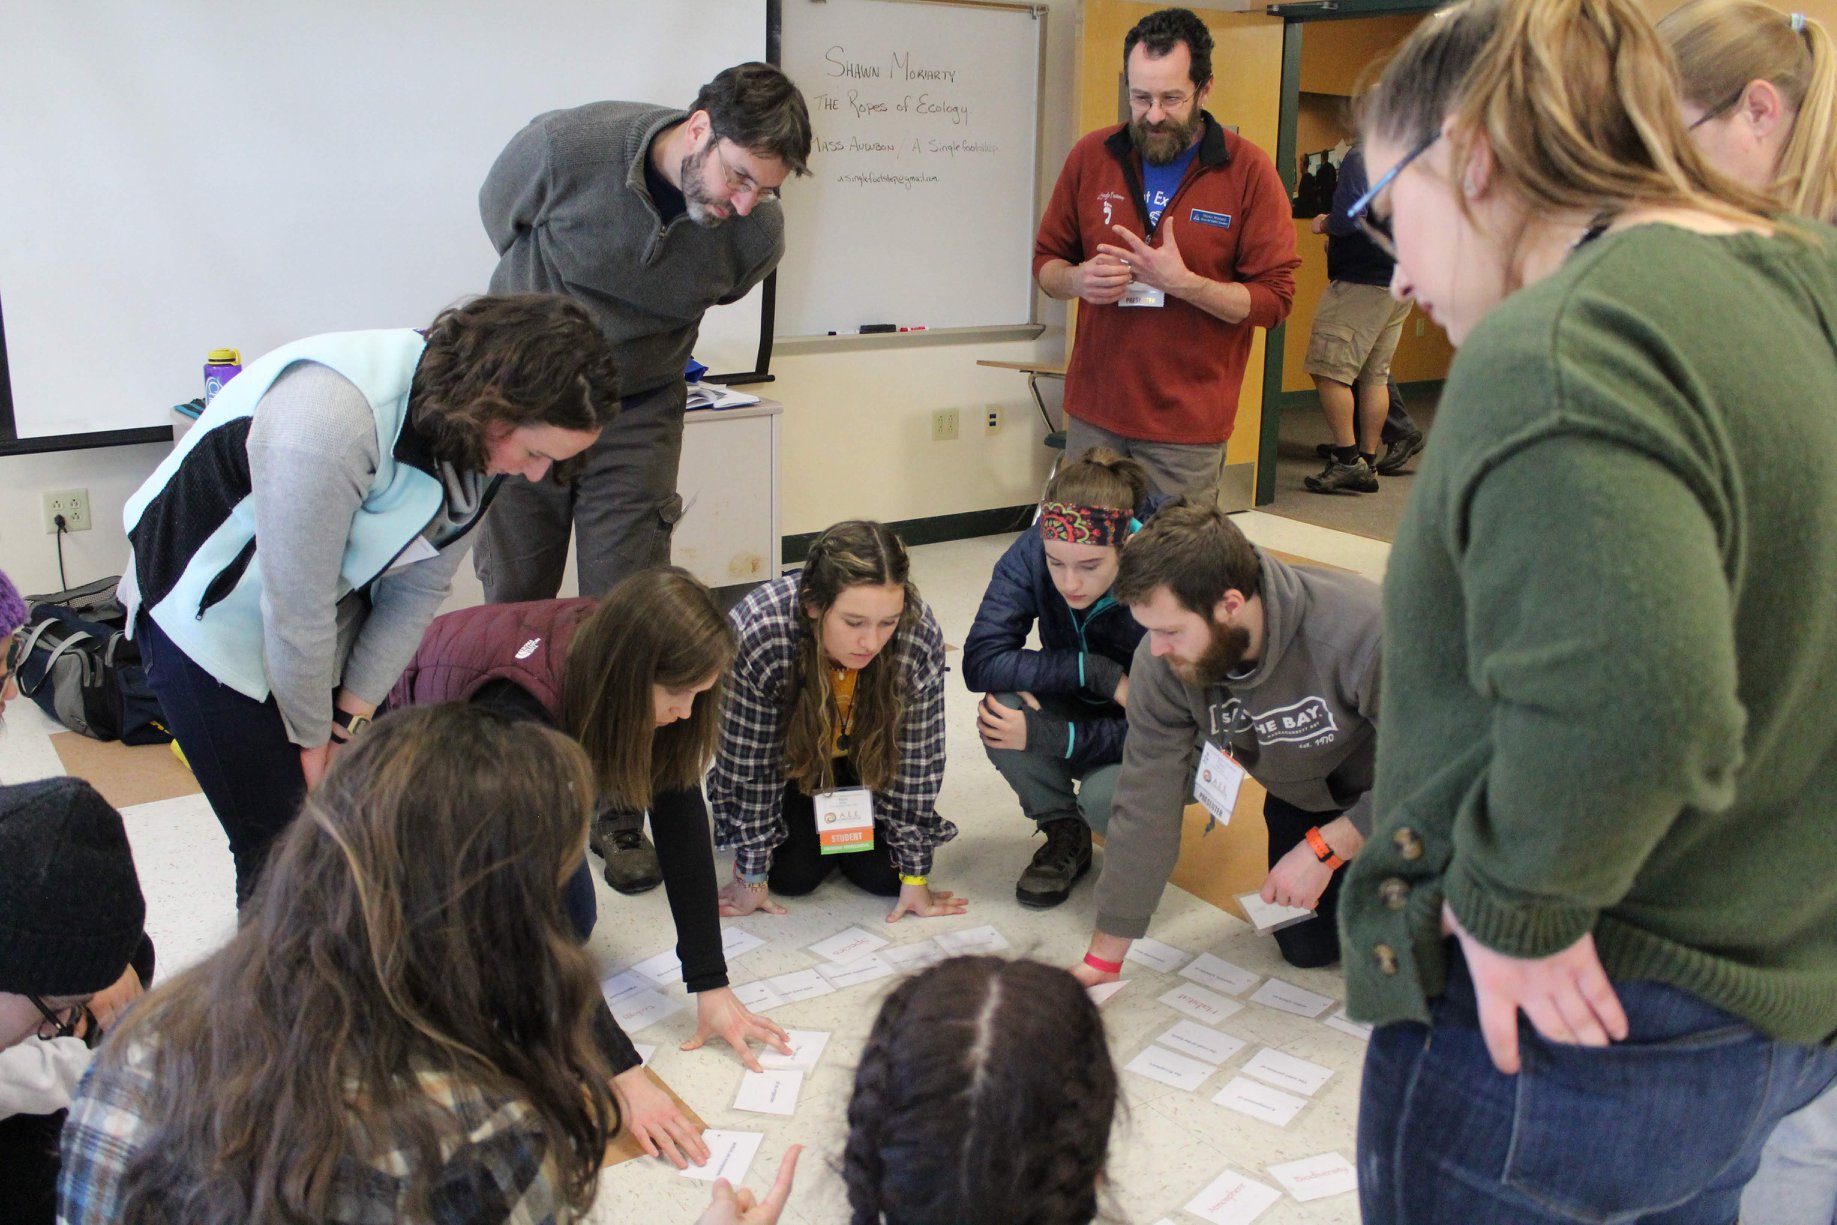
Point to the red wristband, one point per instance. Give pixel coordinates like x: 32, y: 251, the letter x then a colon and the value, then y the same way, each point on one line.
x: 1098, y: 963
x: 1323, y: 852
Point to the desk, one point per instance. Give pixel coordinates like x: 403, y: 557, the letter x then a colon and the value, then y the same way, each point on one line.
x: 728, y: 532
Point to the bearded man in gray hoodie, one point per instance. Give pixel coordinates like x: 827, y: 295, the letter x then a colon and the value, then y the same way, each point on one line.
x: 1250, y: 666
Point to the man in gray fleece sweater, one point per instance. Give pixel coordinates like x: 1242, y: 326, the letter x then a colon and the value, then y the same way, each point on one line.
x: 647, y: 216
x: 1276, y: 666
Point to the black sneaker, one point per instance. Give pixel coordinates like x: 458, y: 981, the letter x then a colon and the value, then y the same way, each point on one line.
x: 1056, y: 866
x: 1356, y: 477
x: 1400, y: 451
x: 631, y: 860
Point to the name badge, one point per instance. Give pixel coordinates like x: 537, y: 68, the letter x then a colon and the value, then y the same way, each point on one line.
x: 844, y: 820
x: 1221, y: 220
x: 1217, y: 784
x: 1142, y: 294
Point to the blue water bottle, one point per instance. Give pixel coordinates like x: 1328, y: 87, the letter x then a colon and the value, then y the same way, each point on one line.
x: 220, y: 366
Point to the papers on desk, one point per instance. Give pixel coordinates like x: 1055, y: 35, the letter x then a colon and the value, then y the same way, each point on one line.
x: 713, y: 395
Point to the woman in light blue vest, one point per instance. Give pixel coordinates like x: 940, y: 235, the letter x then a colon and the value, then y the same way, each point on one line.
x: 291, y: 550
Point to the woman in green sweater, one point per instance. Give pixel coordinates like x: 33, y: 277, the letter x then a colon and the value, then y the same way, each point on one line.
x: 1604, y: 786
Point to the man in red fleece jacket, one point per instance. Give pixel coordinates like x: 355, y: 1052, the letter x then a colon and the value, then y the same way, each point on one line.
x: 1176, y: 236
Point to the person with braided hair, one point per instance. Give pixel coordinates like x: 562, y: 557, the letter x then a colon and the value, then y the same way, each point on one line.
x: 1054, y: 718
x: 1014, y: 1053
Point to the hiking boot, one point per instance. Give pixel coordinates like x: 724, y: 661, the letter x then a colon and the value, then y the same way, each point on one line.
x: 1400, y: 451
x: 1356, y: 477
x: 631, y: 860
x: 1056, y: 866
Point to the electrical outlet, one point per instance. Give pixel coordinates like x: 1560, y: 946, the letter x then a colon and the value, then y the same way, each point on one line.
x: 944, y: 425
x: 73, y: 504
x: 992, y: 419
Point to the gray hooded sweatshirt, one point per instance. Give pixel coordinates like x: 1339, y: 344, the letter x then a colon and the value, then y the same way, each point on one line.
x: 1302, y: 720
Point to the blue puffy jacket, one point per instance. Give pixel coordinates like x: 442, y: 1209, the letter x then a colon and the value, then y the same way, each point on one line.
x: 996, y: 658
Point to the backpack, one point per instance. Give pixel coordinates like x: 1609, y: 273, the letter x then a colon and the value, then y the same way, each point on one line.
x: 76, y: 662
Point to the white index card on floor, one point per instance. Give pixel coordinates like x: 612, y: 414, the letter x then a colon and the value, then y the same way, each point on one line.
x: 1267, y: 917
x: 643, y: 1009
x: 850, y: 945
x: 806, y: 1048
x: 1346, y: 1025
x: 1217, y: 972
x: 1316, y: 1177
x: 737, y: 942
x: 1259, y: 1101
x: 972, y: 940
x: 1170, y: 1069
x: 912, y: 957
x: 623, y: 984
x: 758, y: 996
x: 772, y: 1092
x: 645, y: 1050
x: 663, y: 969
x: 1152, y: 953
x: 1101, y: 993
x: 730, y: 1155
x: 854, y: 973
x: 800, y: 985
x: 1289, y: 998
x: 1200, y: 1004
x: 1233, y: 1199
x: 1201, y: 1042
x: 1273, y: 1067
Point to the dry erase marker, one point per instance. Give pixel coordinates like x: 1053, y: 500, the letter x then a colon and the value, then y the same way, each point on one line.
x: 870, y: 328
x: 918, y: 327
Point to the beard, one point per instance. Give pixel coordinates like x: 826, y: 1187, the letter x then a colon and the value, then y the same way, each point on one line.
x: 695, y: 192
x: 1166, y: 140
x: 1222, y: 656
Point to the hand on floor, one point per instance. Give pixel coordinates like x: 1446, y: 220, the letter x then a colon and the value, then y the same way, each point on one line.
x: 719, y: 1012
x: 926, y: 903
x: 656, y: 1122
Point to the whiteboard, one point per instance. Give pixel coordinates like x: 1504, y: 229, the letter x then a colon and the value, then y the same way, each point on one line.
x: 191, y: 174
x: 920, y: 205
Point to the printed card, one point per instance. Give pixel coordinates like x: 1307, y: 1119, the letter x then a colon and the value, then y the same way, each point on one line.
x: 912, y: 957
x: 1267, y: 916
x: 1101, y: 993
x: 1346, y: 1025
x: 1201, y: 1042
x: 737, y: 942
x: 1163, y: 957
x: 1170, y: 1069
x: 1259, y: 1101
x: 769, y: 1092
x: 1219, y: 973
x: 1273, y: 1067
x: 972, y: 940
x: 863, y: 970
x: 1200, y: 1004
x: 1317, y: 1177
x: 623, y: 984
x: 800, y: 985
x: 1233, y: 1199
x: 846, y: 946
x: 1289, y: 998
x: 730, y: 1155
x: 758, y: 996
x: 806, y: 1048
x: 643, y: 1009
x: 645, y: 1050
x: 662, y: 969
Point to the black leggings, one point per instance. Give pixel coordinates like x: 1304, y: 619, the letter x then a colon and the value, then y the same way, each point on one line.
x: 799, y: 866
x: 1315, y: 942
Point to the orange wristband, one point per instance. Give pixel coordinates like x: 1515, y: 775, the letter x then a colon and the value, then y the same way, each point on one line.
x: 1323, y: 852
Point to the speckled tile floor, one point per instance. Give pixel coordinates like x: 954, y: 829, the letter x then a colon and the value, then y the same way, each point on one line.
x: 1169, y: 1145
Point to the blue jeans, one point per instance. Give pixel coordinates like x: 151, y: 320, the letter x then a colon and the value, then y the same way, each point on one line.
x: 1664, y: 1128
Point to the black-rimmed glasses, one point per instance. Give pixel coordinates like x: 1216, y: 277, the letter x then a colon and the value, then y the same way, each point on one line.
x: 65, y: 1022
x: 1359, y: 213
x: 1718, y: 111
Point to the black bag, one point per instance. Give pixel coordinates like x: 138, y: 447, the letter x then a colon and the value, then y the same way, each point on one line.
x: 78, y: 665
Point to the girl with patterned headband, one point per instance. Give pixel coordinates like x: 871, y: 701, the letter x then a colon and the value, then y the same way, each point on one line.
x: 1052, y: 719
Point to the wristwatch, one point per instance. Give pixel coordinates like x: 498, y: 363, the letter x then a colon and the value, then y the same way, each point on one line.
x: 350, y: 723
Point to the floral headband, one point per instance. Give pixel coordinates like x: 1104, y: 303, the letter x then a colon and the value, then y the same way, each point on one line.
x: 1101, y: 525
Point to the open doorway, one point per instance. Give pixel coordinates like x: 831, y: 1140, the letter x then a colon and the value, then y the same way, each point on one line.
x: 1334, y: 58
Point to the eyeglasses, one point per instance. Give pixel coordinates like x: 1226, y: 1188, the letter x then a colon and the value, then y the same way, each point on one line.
x: 1169, y: 102
x: 1718, y: 112
x: 64, y: 1022
x: 1360, y: 211
x: 739, y: 181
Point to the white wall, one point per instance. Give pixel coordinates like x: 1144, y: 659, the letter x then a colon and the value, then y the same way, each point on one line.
x: 856, y: 430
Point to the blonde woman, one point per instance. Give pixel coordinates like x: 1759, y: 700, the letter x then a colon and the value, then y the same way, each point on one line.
x: 1609, y: 737
x: 1760, y: 98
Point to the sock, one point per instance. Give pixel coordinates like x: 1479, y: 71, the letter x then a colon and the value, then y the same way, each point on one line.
x: 1370, y: 459
x: 1346, y: 455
